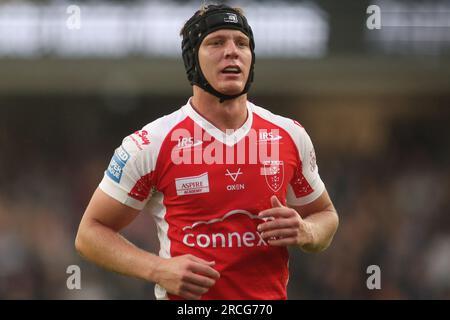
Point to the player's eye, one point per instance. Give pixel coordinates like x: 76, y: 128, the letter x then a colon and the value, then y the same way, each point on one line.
x: 242, y: 43
x: 216, y: 42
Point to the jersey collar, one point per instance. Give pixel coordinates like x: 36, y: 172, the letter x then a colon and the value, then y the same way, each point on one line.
x: 227, y: 139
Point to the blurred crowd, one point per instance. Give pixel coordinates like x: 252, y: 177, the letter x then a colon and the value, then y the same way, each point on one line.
x: 394, y: 213
x: 394, y: 208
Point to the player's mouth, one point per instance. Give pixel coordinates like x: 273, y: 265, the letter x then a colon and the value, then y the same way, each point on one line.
x: 231, y: 69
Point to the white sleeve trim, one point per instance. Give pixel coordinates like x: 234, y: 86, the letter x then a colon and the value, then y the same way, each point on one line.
x: 115, y: 191
x: 293, y: 201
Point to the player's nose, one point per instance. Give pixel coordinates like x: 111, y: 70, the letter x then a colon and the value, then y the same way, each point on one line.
x: 231, y: 50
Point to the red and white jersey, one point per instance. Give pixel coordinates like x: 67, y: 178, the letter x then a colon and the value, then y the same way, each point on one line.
x: 206, y: 187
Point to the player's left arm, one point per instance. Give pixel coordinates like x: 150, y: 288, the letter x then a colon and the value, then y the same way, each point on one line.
x: 310, y: 227
x: 310, y: 219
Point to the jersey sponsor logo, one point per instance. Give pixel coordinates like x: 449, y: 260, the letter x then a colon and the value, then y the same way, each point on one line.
x: 117, y: 163
x: 201, y: 233
x: 234, y: 176
x: 140, y: 138
x: 273, y: 171
x: 192, y: 185
x: 269, y: 136
x: 189, y: 142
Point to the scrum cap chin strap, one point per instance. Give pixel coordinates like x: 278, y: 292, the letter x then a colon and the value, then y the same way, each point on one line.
x: 197, y: 30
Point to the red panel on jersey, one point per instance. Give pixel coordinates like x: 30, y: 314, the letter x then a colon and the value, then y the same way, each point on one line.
x: 300, y: 185
x: 142, y: 188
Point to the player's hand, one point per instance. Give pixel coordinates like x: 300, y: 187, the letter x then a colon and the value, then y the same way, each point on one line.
x: 286, y: 228
x: 186, y: 276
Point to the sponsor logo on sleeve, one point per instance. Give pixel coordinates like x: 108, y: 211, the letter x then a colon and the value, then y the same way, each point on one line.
x: 140, y: 138
x: 117, y: 163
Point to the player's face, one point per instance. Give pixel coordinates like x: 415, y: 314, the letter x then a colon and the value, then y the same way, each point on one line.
x: 225, y: 59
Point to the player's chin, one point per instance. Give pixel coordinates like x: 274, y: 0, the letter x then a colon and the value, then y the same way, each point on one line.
x: 231, y: 88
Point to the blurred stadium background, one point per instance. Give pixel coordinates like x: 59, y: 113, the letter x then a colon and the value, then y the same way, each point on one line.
x: 375, y: 102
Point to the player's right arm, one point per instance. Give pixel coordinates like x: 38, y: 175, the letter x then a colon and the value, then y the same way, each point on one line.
x: 99, y: 239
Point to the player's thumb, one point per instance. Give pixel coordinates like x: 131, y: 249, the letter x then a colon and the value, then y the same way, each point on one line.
x: 275, y: 202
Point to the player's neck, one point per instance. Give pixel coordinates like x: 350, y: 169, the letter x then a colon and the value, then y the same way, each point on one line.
x: 230, y: 114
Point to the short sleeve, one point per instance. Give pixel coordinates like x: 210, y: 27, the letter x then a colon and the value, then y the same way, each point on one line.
x: 129, y: 176
x: 306, y: 184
